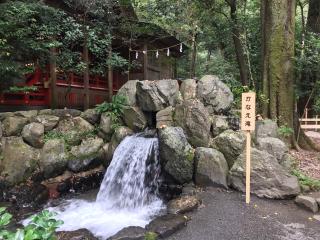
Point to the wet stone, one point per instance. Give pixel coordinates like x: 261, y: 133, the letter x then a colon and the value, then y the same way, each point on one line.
x: 308, y: 203
x: 130, y: 233
x: 81, y: 234
x: 166, y: 225
x: 183, y: 204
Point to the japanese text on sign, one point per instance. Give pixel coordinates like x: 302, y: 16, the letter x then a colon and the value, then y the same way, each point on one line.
x: 248, y: 111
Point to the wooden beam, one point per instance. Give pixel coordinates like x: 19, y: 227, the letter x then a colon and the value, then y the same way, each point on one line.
x: 53, y: 78
x: 145, y: 62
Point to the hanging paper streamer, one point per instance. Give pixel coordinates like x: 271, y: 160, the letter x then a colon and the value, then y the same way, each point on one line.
x: 168, y: 52
x: 144, y: 52
x: 157, y: 54
x: 181, y: 47
x: 137, y: 54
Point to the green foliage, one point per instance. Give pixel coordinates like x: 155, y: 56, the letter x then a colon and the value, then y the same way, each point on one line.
x: 305, y: 180
x: 114, y: 109
x: 25, y: 89
x: 115, y: 106
x: 237, y: 91
x: 285, y: 131
x: 67, y: 137
x: 5, y: 218
x: 42, y: 226
x: 150, y: 236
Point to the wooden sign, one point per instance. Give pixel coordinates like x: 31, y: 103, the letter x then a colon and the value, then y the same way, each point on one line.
x: 248, y: 123
x: 248, y: 111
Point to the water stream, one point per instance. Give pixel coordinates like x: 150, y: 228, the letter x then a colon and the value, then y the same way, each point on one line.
x: 128, y: 195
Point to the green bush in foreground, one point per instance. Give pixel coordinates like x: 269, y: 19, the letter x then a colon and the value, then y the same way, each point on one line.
x: 151, y: 236
x: 41, y: 227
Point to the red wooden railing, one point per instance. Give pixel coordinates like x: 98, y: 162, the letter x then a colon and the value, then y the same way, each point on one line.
x: 69, y: 90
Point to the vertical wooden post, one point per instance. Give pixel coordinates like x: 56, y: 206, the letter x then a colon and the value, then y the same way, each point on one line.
x: 248, y: 123
x: 86, y: 79
x: 53, y: 78
x: 248, y: 166
x: 110, y: 76
x: 145, y: 62
x: 306, y: 113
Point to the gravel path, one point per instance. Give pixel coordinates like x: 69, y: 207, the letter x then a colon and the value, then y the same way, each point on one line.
x: 225, y: 216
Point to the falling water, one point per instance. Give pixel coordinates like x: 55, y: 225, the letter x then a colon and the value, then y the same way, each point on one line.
x: 128, y: 195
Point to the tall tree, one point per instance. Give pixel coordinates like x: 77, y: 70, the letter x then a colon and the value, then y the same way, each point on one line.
x: 313, y: 22
x: 238, y: 36
x: 278, y: 24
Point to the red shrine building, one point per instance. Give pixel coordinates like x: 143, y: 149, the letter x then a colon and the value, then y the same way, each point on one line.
x: 69, y: 88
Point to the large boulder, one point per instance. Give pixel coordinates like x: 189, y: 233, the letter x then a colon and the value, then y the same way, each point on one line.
x: 74, y: 129
x: 219, y: 124
x: 273, y: 146
x: 66, y: 113
x: 33, y: 134
x: 46, y: 111
x: 188, y: 89
x: 105, y: 126
x: 91, y: 115
x: 193, y: 118
x: 134, y: 118
x: 176, y: 154
x: 288, y: 162
x: 27, y: 114
x: 4, y: 115
x: 85, y: 155
x: 119, y: 134
x: 165, y: 117
x: 211, y: 168
x: 268, y: 178
x: 231, y: 144
x: 54, y: 158
x: 215, y: 95
x: 154, y: 96
x: 129, y: 89
x: 48, y: 121
x: 266, y: 128
x: 12, y: 126
x: 18, y: 160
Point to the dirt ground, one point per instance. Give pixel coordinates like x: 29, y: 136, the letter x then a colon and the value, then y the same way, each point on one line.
x: 309, y: 161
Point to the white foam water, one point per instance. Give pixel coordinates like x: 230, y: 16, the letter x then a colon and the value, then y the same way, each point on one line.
x: 128, y: 195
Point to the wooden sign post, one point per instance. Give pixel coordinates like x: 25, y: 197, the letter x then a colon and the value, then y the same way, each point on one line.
x: 248, y: 123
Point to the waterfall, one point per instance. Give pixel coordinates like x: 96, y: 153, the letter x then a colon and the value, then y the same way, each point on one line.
x: 128, y: 195
x: 131, y: 178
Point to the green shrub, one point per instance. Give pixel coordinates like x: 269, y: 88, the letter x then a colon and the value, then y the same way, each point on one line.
x: 115, y: 106
x: 41, y: 227
x: 114, y: 109
x: 305, y: 180
x: 25, y: 89
x: 150, y: 236
x: 285, y: 131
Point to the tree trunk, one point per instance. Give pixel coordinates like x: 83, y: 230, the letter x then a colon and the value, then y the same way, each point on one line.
x: 193, y: 55
x: 313, y: 22
x: 237, y: 36
x: 86, y: 104
x: 208, y: 60
x: 53, y: 78
x: 110, y: 76
x: 278, y: 24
